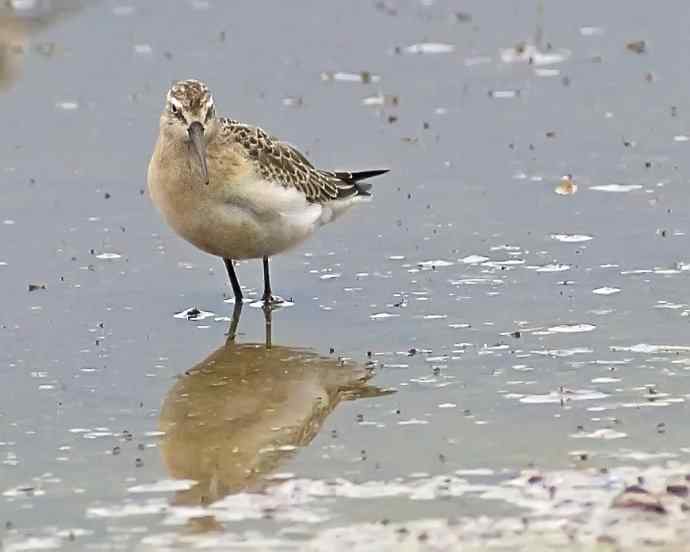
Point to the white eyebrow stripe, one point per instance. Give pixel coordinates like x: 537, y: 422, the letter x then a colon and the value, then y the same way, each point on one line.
x: 175, y: 102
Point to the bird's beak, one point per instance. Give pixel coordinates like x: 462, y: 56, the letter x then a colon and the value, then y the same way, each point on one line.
x: 196, y: 135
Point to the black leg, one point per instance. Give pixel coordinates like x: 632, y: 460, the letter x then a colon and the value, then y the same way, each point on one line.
x: 236, y: 312
x: 268, y: 296
x: 234, y: 282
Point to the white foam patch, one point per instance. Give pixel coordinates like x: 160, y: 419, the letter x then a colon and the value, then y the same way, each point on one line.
x: 606, y: 290
x: 571, y: 238
x: 616, y: 188
x: 429, y: 48
x: 163, y: 486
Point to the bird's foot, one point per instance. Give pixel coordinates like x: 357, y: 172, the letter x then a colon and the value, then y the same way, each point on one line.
x: 272, y: 302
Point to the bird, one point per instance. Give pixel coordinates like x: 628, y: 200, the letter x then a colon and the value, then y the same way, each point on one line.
x: 237, y: 192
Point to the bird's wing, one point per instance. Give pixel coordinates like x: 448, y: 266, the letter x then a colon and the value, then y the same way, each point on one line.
x: 279, y: 162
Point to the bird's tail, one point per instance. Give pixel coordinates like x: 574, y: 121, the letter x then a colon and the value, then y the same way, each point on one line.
x: 357, y: 177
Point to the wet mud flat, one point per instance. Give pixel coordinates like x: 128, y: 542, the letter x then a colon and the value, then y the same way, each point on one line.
x: 492, y: 353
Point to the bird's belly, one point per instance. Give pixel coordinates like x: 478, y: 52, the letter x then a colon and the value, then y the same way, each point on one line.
x: 234, y: 232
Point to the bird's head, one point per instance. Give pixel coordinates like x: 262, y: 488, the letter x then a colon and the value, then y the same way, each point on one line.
x: 189, y: 116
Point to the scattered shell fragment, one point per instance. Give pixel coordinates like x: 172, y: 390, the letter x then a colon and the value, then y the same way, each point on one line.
x: 566, y: 186
x: 639, y: 499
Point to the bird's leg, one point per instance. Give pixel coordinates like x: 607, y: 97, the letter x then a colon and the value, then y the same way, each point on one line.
x: 268, y: 298
x: 237, y: 290
x: 232, y: 331
x: 234, y: 282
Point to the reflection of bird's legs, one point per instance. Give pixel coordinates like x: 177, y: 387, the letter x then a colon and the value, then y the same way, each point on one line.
x: 268, y: 317
x: 236, y: 312
x: 237, y: 291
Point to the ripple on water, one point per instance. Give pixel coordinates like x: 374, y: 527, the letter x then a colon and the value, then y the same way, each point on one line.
x: 606, y: 290
x: 163, y: 486
x: 651, y: 349
x: 473, y: 259
x: 605, y: 434
x: 429, y: 48
x: 569, y: 328
x: 616, y: 188
x: 564, y: 395
x: 571, y: 238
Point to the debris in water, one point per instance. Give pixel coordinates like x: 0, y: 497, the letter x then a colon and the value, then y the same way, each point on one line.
x: 566, y: 186
x: 36, y: 287
x: 637, y: 46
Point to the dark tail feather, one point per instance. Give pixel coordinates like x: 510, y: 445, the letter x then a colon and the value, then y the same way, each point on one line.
x: 360, y: 175
x: 357, y: 177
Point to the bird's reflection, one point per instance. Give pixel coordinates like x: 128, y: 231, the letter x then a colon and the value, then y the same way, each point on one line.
x: 19, y: 21
x: 234, y: 417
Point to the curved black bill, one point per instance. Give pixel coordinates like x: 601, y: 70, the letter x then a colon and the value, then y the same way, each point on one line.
x: 196, y: 135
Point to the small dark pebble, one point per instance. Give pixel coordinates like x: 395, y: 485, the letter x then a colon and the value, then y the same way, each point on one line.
x: 106, y: 195
x: 516, y: 334
x: 193, y: 313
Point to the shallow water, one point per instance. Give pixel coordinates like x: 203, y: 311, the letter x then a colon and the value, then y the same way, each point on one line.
x: 478, y: 315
